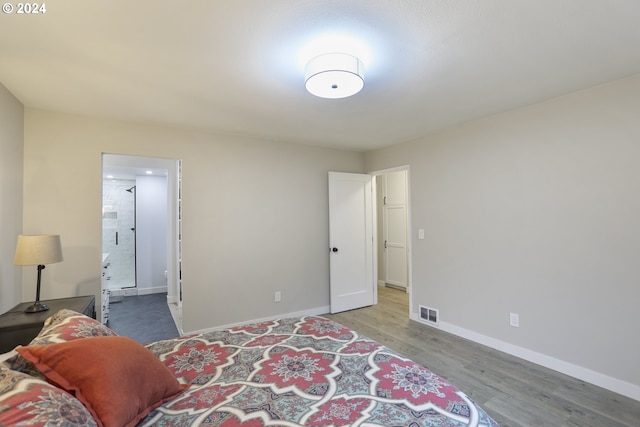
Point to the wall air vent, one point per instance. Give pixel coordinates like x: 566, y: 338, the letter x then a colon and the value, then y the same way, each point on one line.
x: 429, y: 315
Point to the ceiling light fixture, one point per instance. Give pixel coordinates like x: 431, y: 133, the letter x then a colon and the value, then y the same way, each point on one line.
x: 334, y: 75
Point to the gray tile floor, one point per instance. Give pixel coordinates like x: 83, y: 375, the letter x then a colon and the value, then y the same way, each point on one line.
x: 143, y: 318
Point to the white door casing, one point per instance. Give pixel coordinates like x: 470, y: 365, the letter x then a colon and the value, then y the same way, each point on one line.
x: 351, y: 241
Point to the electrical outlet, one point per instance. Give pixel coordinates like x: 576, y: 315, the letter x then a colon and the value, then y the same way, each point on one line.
x: 514, y: 320
x: 278, y: 296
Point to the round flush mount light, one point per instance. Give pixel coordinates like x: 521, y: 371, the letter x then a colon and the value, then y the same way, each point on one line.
x: 334, y: 75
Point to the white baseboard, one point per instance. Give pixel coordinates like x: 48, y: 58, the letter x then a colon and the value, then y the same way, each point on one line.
x: 126, y: 292
x: 612, y: 384
x: 381, y: 283
x: 152, y: 290
x: 310, y: 312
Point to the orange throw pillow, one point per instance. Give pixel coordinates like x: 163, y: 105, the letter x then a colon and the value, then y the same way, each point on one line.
x: 117, y: 379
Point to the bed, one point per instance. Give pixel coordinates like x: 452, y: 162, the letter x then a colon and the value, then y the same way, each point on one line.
x: 304, y: 371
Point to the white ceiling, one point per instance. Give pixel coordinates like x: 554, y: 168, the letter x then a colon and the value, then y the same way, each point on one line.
x: 118, y: 167
x: 237, y: 66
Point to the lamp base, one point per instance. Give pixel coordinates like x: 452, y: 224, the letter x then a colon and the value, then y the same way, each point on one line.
x: 36, y: 308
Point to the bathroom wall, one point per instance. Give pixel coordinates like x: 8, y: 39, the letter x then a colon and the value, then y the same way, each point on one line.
x: 151, y: 234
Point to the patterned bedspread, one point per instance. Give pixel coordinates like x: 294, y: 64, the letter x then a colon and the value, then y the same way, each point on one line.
x: 307, y: 371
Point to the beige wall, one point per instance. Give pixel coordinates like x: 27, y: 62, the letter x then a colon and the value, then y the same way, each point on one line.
x: 536, y: 212
x: 255, y: 214
x: 11, y: 137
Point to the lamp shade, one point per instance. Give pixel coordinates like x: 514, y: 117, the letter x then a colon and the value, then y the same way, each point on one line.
x: 334, y: 75
x: 38, y: 249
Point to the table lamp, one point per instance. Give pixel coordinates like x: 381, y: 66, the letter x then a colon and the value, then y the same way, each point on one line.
x: 38, y: 250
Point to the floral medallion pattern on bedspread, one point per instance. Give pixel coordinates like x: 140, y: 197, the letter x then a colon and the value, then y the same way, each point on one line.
x: 307, y: 371
x: 30, y: 401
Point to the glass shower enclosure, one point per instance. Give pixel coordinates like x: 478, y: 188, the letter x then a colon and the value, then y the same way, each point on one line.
x: 119, y: 233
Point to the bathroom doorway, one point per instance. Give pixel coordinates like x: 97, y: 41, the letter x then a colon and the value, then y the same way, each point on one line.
x: 141, y: 230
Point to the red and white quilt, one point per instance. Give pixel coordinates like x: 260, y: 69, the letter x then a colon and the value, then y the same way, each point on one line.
x: 307, y: 371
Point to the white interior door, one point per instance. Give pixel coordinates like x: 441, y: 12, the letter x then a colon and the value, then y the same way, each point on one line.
x: 351, y: 242
x: 395, y: 229
x: 396, y: 245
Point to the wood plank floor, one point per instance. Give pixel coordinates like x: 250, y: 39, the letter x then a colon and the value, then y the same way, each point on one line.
x: 516, y: 393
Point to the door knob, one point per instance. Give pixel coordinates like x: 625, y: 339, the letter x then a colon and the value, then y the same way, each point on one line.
x: 334, y: 249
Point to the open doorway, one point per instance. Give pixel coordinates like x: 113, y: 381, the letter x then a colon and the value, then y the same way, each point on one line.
x: 392, y: 209
x: 393, y: 227
x: 141, y: 230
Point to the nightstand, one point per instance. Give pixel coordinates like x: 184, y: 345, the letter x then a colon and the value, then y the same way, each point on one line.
x: 19, y: 328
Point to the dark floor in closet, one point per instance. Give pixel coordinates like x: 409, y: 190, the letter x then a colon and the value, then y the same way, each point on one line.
x: 143, y: 318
